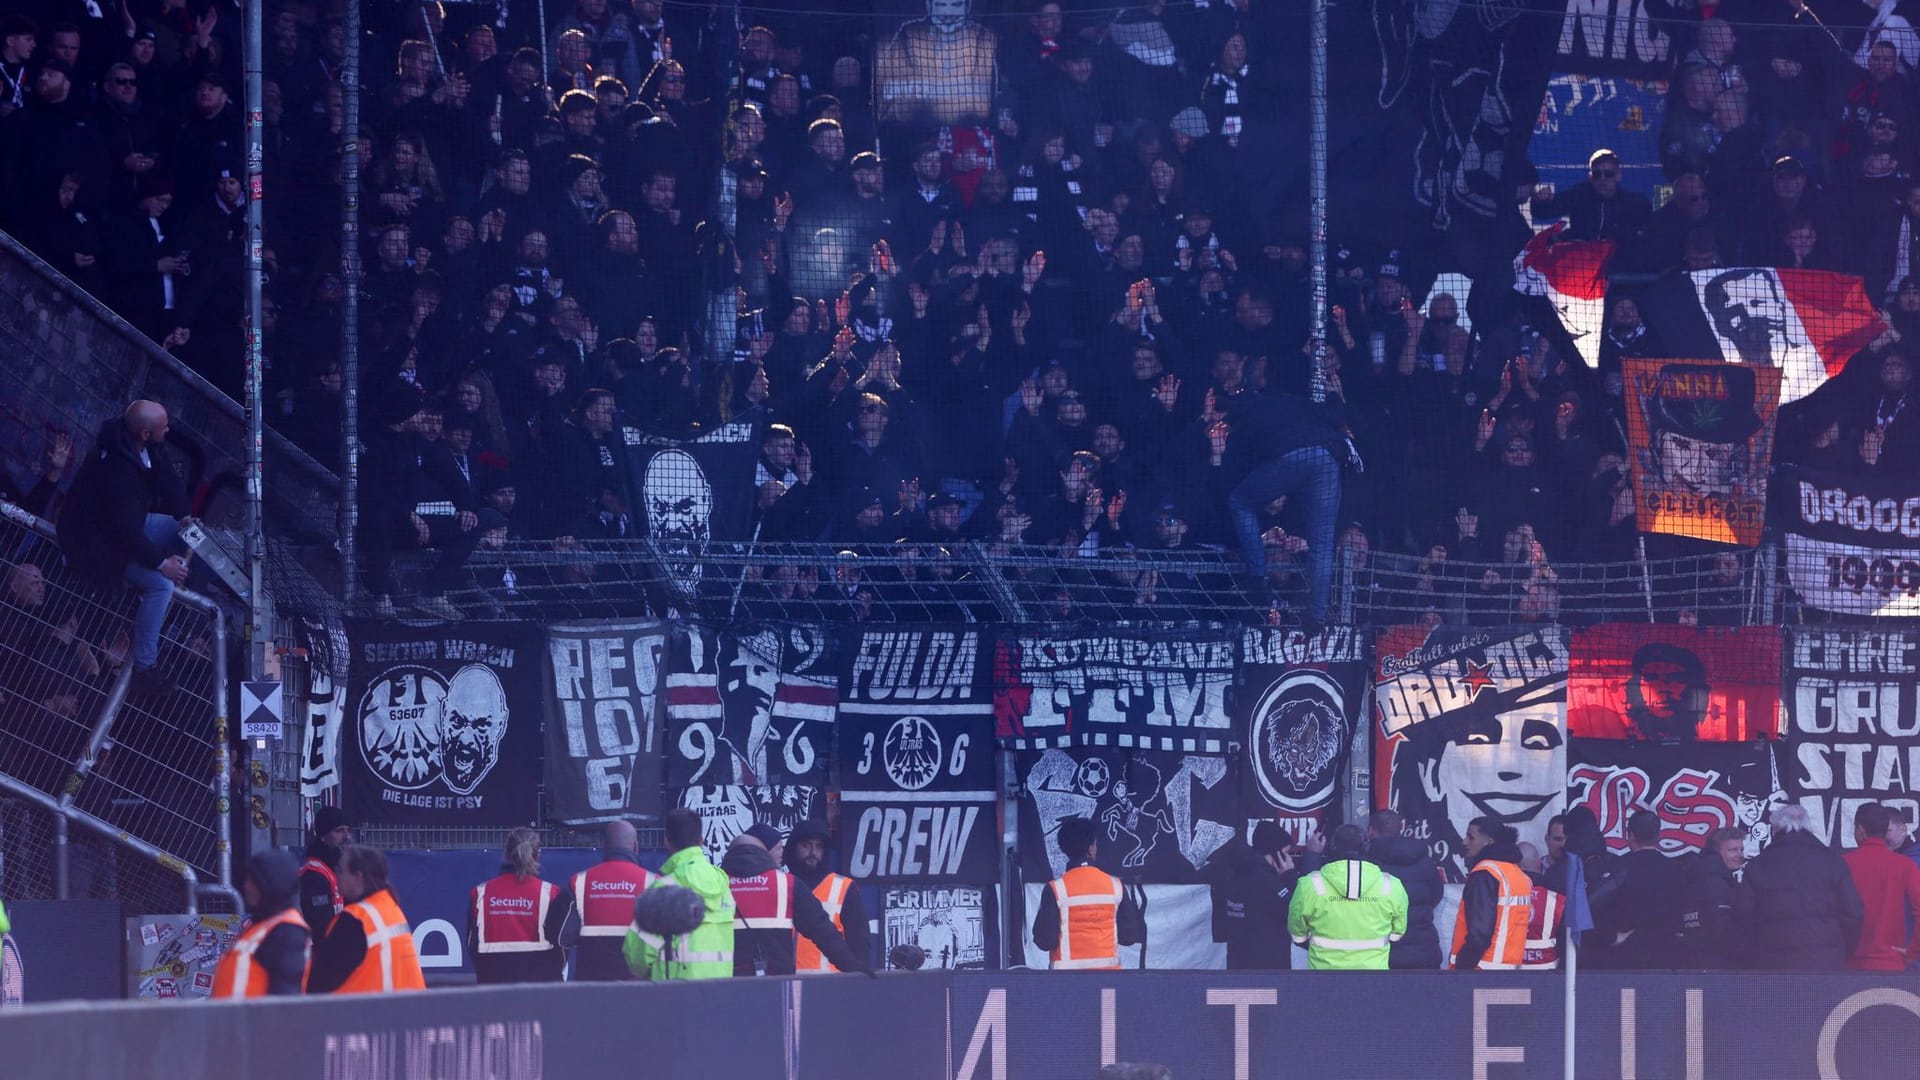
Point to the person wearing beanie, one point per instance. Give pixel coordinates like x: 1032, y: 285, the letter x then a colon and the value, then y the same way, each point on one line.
x: 838, y: 894
x: 769, y: 906
x: 1250, y: 899
x: 319, y: 876
x: 271, y: 955
x: 1085, y: 915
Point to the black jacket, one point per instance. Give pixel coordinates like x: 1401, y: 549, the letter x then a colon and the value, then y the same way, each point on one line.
x: 1250, y: 909
x: 1407, y: 859
x: 1646, y: 906
x: 773, y: 948
x: 283, y: 953
x: 1707, y: 936
x: 103, y: 520
x: 1799, y: 910
x: 316, y: 892
x: 1129, y: 923
x: 1480, y: 900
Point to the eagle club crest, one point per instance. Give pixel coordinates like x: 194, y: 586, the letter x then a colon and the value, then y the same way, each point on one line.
x: 1299, y: 728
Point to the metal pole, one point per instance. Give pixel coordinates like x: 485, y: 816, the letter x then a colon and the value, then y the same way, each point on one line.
x: 350, y: 305
x: 1566, y: 1038
x: 1646, y: 578
x: 223, y: 757
x: 61, y: 866
x: 546, y: 76
x: 256, y: 361
x: 1317, y: 205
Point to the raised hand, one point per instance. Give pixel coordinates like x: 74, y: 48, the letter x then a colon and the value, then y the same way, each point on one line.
x: 1030, y: 397
x: 1030, y: 273
x: 1167, y: 392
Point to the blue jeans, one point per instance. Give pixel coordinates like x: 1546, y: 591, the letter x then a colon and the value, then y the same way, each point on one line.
x: 1310, y: 477
x: 156, y: 592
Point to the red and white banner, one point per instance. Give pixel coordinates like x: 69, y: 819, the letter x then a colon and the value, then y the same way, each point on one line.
x: 1807, y: 323
x: 1572, y: 275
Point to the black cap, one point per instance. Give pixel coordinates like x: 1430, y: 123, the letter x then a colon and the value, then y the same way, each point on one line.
x: 943, y: 498
x: 867, y: 159
x: 211, y: 77
x: 1390, y: 266
x: 54, y: 63
x: 328, y: 818
x: 766, y: 834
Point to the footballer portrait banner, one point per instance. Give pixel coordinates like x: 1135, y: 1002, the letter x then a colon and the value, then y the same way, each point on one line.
x: 1662, y: 682
x: 1470, y: 722
x: 1702, y: 439
x: 443, y: 724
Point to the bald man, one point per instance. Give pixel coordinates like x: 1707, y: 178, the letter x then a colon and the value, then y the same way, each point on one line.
x: 121, y: 524
x: 604, y: 894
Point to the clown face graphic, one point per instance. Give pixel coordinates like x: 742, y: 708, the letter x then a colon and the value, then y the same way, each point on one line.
x: 473, y: 720
x: 1511, y: 765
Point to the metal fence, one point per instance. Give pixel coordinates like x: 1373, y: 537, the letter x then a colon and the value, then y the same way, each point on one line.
x: 145, y: 776
x: 68, y: 363
x: 978, y: 582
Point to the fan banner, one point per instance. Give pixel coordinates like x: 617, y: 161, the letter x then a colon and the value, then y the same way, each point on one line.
x: 916, y: 750
x: 1695, y: 788
x: 1661, y: 682
x: 693, y: 493
x: 444, y: 728
x: 1853, y: 731
x: 1470, y: 722
x: 1161, y: 815
x: 1159, y: 690
x: 605, y: 720
x: 1702, y: 438
x: 1298, y: 699
x: 1572, y: 275
x: 1805, y: 323
x: 1853, y: 542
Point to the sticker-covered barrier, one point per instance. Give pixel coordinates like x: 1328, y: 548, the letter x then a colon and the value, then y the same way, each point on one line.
x: 1011, y: 1026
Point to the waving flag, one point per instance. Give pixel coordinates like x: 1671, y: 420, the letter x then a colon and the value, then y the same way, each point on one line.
x: 1807, y: 323
x: 1572, y: 275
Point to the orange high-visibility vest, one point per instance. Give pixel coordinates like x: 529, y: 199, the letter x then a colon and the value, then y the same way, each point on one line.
x: 1509, y: 945
x: 392, y: 962
x: 606, y: 893
x: 1089, y: 902
x: 832, y: 894
x: 1543, y: 929
x: 239, y: 975
x: 510, y: 915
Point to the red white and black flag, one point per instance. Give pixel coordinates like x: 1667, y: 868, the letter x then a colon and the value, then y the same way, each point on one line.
x: 1572, y: 275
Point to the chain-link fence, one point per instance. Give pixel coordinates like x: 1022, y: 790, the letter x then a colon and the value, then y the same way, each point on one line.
x: 82, y: 755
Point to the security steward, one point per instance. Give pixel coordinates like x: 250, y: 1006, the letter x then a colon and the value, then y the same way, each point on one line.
x: 707, y: 951
x: 272, y: 955
x: 1490, y: 933
x: 604, y: 894
x: 1545, y: 920
x: 319, y: 887
x: 769, y: 906
x: 837, y: 893
x: 1349, y: 912
x: 369, y: 949
x: 518, y: 926
x: 1085, y: 915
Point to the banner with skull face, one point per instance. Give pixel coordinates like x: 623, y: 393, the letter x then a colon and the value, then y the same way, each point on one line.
x: 1470, y: 722
x: 693, y: 493
x: 1129, y: 728
x: 445, y: 724
x: 1298, y: 699
x: 917, y: 777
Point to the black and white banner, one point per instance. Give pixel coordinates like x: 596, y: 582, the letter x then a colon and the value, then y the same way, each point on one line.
x: 1127, y: 689
x: 1161, y: 815
x: 1853, y: 729
x: 727, y: 810
x: 1695, y: 788
x: 917, y: 778
x: 692, y: 493
x: 1631, y: 38
x: 605, y: 720
x: 1853, y: 542
x: 1299, y: 701
x: 949, y: 923
x: 320, y: 736
x: 445, y: 724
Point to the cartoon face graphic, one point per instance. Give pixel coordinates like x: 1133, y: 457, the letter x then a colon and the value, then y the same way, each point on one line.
x: 679, y: 505
x: 1511, y: 765
x: 473, y: 720
x: 1298, y: 731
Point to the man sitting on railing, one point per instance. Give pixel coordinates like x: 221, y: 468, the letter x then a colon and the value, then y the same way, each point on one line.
x: 122, y: 523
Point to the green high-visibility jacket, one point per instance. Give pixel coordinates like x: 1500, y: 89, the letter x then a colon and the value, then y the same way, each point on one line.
x: 6, y: 927
x: 1348, y: 914
x: 707, y: 953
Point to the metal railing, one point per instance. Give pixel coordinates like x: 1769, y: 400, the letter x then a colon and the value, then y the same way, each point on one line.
x: 147, y: 774
x: 69, y: 363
